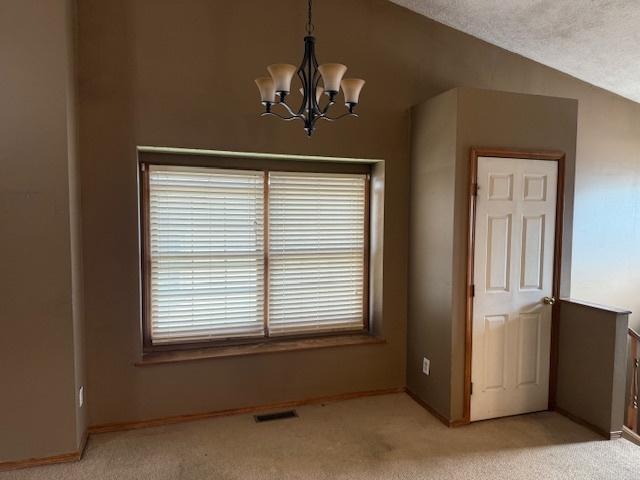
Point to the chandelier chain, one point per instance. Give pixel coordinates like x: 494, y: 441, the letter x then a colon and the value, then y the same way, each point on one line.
x: 310, y: 26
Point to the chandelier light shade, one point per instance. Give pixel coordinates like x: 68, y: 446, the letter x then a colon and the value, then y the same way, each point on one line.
x: 317, y: 80
x: 282, y: 74
x: 351, y: 88
x: 267, y: 89
x: 332, y: 74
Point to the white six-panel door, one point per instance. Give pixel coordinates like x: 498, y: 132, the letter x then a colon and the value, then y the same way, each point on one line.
x: 513, y: 272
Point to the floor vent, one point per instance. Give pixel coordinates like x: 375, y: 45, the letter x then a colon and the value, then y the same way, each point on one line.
x: 268, y: 417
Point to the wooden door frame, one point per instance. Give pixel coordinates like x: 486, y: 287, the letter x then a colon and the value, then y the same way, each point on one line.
x: 550, y: 155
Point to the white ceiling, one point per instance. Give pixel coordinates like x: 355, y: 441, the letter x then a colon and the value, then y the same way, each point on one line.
x: 597, y: 41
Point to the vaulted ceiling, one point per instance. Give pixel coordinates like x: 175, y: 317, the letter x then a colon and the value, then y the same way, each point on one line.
x: 597, y: 41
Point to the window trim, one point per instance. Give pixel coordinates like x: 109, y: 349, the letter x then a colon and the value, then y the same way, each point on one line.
x: 265, y: 166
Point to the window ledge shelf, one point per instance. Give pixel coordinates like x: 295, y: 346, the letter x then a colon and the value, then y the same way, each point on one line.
x: 272, y: 346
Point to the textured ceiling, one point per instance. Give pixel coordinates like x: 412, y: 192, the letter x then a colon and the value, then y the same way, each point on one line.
x: 597, y: 41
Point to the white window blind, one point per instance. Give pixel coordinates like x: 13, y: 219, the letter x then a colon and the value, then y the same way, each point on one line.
x: 316, y: 252
x: 206, y: 253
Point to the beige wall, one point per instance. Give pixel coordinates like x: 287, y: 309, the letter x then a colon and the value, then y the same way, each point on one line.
x: 606, y: 257
x: 75, y: 223
x: 444, y: 129
x: 434, y: 127
x: 40, y: 345
x: 164, y: 73
x: 592, y: 364
x: 160, y: 72
x: 520, y: 121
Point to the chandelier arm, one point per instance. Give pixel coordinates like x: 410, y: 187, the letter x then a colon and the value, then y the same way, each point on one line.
x: 303, y: 80
x: 326, y: 108
x: 305, y: 71
x: 316, y: 81
x: 308, y: 72
x: 286, y: 119
x: 286, y: 106
x: 333, y: 119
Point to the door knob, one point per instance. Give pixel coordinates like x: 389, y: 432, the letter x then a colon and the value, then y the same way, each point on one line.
x: 549, y: 300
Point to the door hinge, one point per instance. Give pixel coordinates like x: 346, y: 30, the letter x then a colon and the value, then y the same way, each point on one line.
x: 471, y: 389
x: 474, y: 189
x: 143, y: 167
x: 472, y: 290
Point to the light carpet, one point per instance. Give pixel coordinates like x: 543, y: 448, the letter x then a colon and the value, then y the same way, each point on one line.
x: 387, y: 437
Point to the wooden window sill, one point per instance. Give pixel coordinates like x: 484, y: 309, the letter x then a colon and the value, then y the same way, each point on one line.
x: 271, y: 346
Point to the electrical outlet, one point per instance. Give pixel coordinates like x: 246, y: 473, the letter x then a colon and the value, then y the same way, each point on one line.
x: 426, y: 365
x: 81, y: 396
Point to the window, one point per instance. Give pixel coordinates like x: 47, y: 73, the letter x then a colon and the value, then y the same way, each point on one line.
x: 316, y: 252
x: 241, y: 254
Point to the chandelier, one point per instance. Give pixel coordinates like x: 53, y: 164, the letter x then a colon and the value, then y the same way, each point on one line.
x: 275, y: 88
